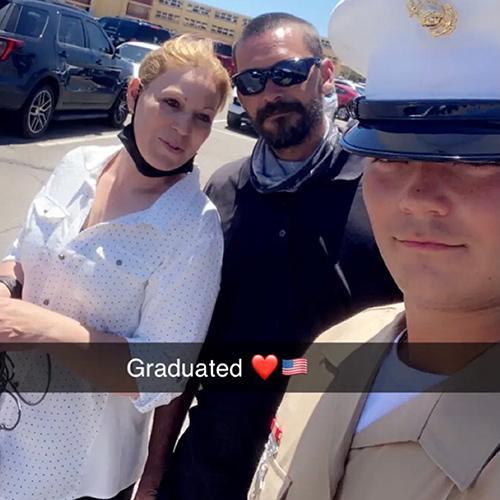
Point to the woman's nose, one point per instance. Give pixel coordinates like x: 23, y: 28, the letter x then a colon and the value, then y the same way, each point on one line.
x: 182, y: 123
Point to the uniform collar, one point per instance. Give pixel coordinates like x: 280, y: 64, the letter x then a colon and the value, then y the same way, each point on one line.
x: 463, y: 430
x: 459, y: 431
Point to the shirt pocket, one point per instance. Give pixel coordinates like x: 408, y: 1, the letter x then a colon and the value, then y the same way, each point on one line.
x: 48, y: 211
x: 44, y: 218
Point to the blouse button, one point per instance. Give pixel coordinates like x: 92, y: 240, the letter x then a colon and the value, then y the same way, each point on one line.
x: 119, y: 262
x: 46, y: 302
x: 62, y: 256
x: 282, y: 233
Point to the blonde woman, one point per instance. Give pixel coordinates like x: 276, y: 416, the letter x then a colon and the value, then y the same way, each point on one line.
x: 120, y: 245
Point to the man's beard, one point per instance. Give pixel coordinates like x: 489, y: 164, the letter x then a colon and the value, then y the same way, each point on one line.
x: 289, y: 132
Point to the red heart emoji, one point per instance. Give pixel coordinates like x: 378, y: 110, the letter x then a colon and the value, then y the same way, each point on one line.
x: 264, y: 366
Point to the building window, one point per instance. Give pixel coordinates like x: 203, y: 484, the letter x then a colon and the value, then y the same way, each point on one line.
x: 173, y: 18
x: 145, y: 2
x: 137, y: 11
x: 246, y: 21
x: 226, y: 16
x: 172, y: 3
x: 220, y: 30
x: 194, y: 23
x: 198, y: 9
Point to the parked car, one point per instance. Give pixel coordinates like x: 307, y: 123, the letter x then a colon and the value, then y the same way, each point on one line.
x: 360, y: 87
x: 344, y: 81
x: 224, y: 52
x: 345, y: 94
x: 124, y: 29
x: 237, y: 116
x: 135, y: 52
x: 56, y: 62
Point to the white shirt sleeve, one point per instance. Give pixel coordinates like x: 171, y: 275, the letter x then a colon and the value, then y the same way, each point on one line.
x: 178, y: 305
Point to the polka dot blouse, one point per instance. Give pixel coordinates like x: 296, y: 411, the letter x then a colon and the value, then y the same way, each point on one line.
x: 149, y: 276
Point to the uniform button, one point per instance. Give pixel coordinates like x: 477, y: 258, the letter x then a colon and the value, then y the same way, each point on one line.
x: 119, y: 262
x: 62, y: 256
x: 46, y: 302
x: 282, y: 233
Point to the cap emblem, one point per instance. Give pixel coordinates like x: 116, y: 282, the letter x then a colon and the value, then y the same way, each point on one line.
x: 439, y: 19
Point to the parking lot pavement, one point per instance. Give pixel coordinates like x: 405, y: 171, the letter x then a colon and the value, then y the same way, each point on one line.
x: 26, y: 165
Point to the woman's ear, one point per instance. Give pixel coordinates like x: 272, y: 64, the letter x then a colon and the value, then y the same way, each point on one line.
x: 327, y: 76
x: 133, y: 90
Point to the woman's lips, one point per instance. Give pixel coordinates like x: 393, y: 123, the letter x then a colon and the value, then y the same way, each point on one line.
x: 171, y: 148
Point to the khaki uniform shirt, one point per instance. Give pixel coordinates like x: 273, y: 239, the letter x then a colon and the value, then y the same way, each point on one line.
x: 437, y: 446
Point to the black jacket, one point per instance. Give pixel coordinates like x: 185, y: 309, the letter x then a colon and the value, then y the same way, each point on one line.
x: 294, y: 264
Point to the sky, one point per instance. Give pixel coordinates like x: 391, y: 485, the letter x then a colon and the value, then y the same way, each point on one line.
x: 316, y: 12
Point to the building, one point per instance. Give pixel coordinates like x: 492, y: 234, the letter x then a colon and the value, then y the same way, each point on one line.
x: 178, y: 16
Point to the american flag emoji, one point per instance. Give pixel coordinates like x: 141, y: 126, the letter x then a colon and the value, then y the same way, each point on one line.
x: 296, y: 366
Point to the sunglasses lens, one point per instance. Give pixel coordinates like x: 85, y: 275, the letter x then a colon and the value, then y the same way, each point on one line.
x: 250, y: 82
x: 284, y: 77
x: 292, y: 72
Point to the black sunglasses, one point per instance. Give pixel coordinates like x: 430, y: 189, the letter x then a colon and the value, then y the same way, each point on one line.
x: 283, y: 73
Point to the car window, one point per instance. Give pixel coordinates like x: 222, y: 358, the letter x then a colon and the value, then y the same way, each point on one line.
x: 223, y: 49
x: 109, y: 22
x: 127, y: 30
x: 97, y: 40
x: 32, y: 22
x: 151, y: 35
x: 4, y: 8
x: 133, y: 52
x: 26, y: 21
x: 8, y: 13
x: 71, y: 31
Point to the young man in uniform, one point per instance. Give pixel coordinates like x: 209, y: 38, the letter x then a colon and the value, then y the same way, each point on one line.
x: 421, y: 424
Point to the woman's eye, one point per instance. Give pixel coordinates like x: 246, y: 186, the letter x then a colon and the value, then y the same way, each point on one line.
x: 204, y: 118
x: 173, y: 103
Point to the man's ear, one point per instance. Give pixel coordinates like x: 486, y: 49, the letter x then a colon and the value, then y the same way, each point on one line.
x: 133, y: 89
x: 327, y: 76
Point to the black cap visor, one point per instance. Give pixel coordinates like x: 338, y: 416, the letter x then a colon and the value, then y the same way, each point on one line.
x: 461, y: 131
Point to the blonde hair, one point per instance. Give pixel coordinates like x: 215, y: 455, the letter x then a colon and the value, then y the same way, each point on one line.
x: 186, y: 50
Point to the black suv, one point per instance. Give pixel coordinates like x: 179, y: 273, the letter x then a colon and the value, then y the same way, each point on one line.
x: 56, y: 62
x: 122, y: 29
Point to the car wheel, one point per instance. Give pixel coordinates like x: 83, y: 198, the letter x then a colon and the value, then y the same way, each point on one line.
x: 342, y: 114
x: 37, y: 112
x: 119, y: 112
x: 233, y: 121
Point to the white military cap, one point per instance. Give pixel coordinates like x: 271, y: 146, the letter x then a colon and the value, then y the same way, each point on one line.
x: 432, y: 71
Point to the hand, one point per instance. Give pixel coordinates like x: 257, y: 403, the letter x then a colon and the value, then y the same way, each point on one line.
x: 22, y: 321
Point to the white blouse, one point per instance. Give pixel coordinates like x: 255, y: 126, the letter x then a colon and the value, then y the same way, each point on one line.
x: 149, y: 276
